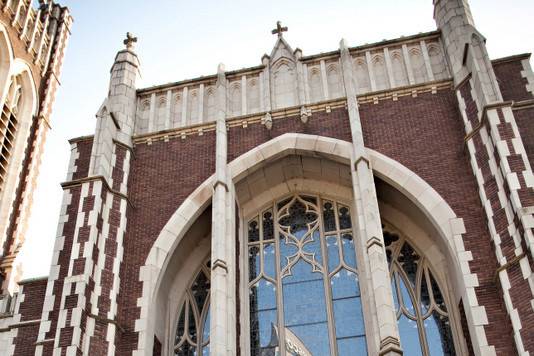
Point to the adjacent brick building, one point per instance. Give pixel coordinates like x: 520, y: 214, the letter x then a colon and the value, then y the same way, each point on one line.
x: 375, y: 199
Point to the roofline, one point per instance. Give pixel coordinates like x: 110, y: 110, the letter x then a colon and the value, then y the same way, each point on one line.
x: 211, y: 77
x: 512, y: 58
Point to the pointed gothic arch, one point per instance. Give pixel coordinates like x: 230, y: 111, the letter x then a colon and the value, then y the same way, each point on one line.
x: 440, y: 216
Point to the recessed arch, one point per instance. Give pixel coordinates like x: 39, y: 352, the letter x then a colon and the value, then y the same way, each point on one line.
x: 447, y: 225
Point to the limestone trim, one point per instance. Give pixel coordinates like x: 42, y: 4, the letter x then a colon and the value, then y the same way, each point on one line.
x: 322, y: 106
x: 439, y: 213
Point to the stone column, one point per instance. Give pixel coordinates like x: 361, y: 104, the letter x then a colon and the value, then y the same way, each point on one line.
x: 222, y: 323
x: 502, y: 169
x: 84, y: 301
x: 368, y: 223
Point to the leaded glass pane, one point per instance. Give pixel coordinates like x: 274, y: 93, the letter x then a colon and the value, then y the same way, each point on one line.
x: 352, y: 346
x: 344, y: 217
x: 349, y: 253
x: 408, y: 258
x: 439, y: 335
x: 200, y: 290
x: 303, y: 291
x: 262, y: 316
x: 269, y: 260
x: 254, y: 266
x: 192, y: 331
x: 423, y: 321
x: 329, y: 218
x: 304, y: 282
x: 409, y: 333
x: 332, y: 247
x: 268, y: 225
x: 253, y: 231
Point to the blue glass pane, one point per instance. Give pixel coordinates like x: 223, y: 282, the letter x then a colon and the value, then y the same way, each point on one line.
x: 345, y: 285
x: 406, y: 297
x: 333, y: 252
x: 313, y: 337
x: 254, y: 266
x: 353, y: 346
x: 269, y: 260
x: 262, y: 315
x: 409, y: 335
x: 349, y: 253
x: 206, y: 350
x: 206, y: 331
x: 348, y: 317
x: 439, y: 335
x: 303, y: 292
x: 313, y: 246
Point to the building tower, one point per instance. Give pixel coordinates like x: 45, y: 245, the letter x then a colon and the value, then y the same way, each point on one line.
x: 33, y: 39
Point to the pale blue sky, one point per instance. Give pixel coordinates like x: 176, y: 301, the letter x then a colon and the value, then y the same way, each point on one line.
x: 185, y: 39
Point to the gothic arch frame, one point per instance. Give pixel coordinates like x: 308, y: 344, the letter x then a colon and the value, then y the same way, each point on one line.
x: 449, y: 227
x: 6, y: 61
x: 22, y: 70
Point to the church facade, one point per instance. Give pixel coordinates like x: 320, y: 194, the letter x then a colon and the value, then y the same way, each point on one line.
x: 371, y: 200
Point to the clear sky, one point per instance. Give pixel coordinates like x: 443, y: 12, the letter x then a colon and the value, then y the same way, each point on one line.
x: 185, y: 39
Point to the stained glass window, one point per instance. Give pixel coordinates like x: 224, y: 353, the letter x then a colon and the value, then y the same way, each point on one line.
x: 193, y: 326
x: 423, y: 318
x: 304, y: 292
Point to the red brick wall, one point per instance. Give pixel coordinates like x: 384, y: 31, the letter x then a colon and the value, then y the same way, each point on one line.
x: 84, y: 158
x: 30, y: 310
x: 162, y: 175
x: 511, y: 83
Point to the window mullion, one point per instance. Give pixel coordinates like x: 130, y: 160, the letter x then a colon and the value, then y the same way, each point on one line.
x: 326, y: 279
x: 279, y: 294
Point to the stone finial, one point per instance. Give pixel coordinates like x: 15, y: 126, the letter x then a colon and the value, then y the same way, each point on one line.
x: 130, y: 41
x: 279, y: 29
x: 343, y: 45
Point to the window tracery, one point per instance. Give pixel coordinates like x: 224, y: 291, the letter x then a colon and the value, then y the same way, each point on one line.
x: 302, y: 258
x: 9, y: 122
x: 193, y: 326
x: 422, y: 314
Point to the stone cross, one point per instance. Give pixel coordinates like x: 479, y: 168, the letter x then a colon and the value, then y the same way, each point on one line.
x: 279, y: 29
x: 130, y: 41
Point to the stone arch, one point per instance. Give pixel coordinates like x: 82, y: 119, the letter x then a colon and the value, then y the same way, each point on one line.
x: 6, y: 61
x: 418, y: 64
x: 380, y: 72
x: 399, y: 68
x: 362, y: 75
x: 234, y: 99
x: 448, y: 226
x: 27, y: 110
x: 284, y: 85
x: 315, y: 84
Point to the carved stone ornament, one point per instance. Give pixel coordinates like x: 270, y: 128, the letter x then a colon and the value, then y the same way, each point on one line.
x: 304, y: 116
x: 268, y: 121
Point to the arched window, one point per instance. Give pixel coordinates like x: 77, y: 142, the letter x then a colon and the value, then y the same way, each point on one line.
x: 422, y: 313
x: 9, y: 124
x: 193, y: 326
x: 304, y: 292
